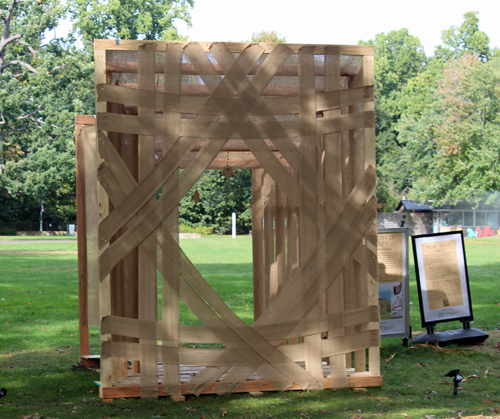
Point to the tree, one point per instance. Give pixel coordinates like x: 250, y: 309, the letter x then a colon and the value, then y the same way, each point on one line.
x: 464, y: 39
x: 454, y: 146
x: 29, y: 24
x: 129, y: 19
x: 44, y: 85
x: 42, y: 88
x: 399, y: 58
x: 268, y: 36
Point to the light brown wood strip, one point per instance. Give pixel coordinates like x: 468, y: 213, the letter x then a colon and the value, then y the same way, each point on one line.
x: 116, y: 165
x: 239, y: 347
x: 333, y: 192
x: 269, y: 273
x: 202, y: 381
x: 350, y: 343
x: 147, y: 266
x: 110, y: 184
x: 269, y: 358
x: 266, y: 357
x: 258, y: 243
x: 346, y: 122
x: 309, y: 207
x: 244, y: 129
x: 152, y: 218
x: 108, y: 370
x: 280, y: 228
x: 197, y: 104
x: 170, y: 287
x: 368, y: 77
x: 200, y: 334
x: 89, y: 144
x: 355, y: 381
x: 83, y: 306
x: 129, y: 45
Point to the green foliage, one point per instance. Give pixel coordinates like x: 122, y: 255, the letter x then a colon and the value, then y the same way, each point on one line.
x: 464, y: 39
x: 30, y: 18
x: 37, y: 138
x: 42, y: 88
x: 399, y: 58
x: 219, y: 198
x: 454, y: 145
x: 268, y: 36
x: 129, y: 19
x: 204, y: 230
x: 437, y: 118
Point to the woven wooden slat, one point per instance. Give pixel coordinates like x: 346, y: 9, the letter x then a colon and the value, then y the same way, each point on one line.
x: 195, y: 105
x: 200, y: 334
x: 170, y: 266
x: 236, y: 47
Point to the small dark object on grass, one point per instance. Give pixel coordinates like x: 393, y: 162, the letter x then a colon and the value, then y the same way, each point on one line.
x: 457, y: 379
x: 3, y: 392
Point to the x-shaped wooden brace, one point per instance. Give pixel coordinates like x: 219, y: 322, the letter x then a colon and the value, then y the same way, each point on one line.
x: 152, y: 217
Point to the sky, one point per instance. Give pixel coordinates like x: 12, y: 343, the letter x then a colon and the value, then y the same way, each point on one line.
x: 336, y: 22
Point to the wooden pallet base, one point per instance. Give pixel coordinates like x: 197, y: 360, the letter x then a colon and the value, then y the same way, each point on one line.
x: 353, y: 381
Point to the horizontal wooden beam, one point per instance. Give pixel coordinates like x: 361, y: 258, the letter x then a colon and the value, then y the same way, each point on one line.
x: 132, y: 98
x: 285, y: 70
x: 202, y: 90
x: 354, y: 381
x: 130, y: 45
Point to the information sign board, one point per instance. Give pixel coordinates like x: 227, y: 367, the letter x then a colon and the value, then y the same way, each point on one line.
x: 393, y: 279
x: 442, y: 279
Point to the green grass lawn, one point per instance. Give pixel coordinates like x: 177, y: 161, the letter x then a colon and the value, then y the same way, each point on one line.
x: 39, y: 345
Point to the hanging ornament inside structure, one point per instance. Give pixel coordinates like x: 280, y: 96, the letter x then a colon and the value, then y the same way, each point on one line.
x: 228, y: 171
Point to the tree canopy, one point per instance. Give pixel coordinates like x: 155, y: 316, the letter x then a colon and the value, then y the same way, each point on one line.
x: 268, y: 36
x: 467, y: 38
x: 129, y: 19
x: 437, y: 117
x: 454, y: 146
x: 43, y: 86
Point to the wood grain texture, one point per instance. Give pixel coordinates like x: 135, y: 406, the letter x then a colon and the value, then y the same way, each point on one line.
x: 312, y: 147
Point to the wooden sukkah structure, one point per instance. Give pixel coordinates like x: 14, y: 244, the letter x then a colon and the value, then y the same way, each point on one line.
x: 302, y: 118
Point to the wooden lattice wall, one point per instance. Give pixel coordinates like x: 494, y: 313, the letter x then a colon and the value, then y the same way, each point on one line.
x: 300, y: 116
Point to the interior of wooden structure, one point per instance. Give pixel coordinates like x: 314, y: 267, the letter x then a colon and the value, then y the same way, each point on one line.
x: 302, y: 118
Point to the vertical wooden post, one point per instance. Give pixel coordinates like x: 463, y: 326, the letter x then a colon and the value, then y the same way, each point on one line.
x: 308, y: 206
x: 357, y: 142
x: 109, y: 367
x: 268, y: 202
x: 257, y: 243
x: 170, y: 286
x: 147, y: 266
x: 83, y: 314
x: 333, y: 204
x: 280, y: 239
x: 369, y: 80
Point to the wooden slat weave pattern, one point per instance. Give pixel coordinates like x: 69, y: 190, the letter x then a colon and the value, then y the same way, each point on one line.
x: 311, y: 146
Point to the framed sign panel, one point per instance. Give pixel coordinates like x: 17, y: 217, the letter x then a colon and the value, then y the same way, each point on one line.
x: 393, y: 279
x: 442, y: 279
